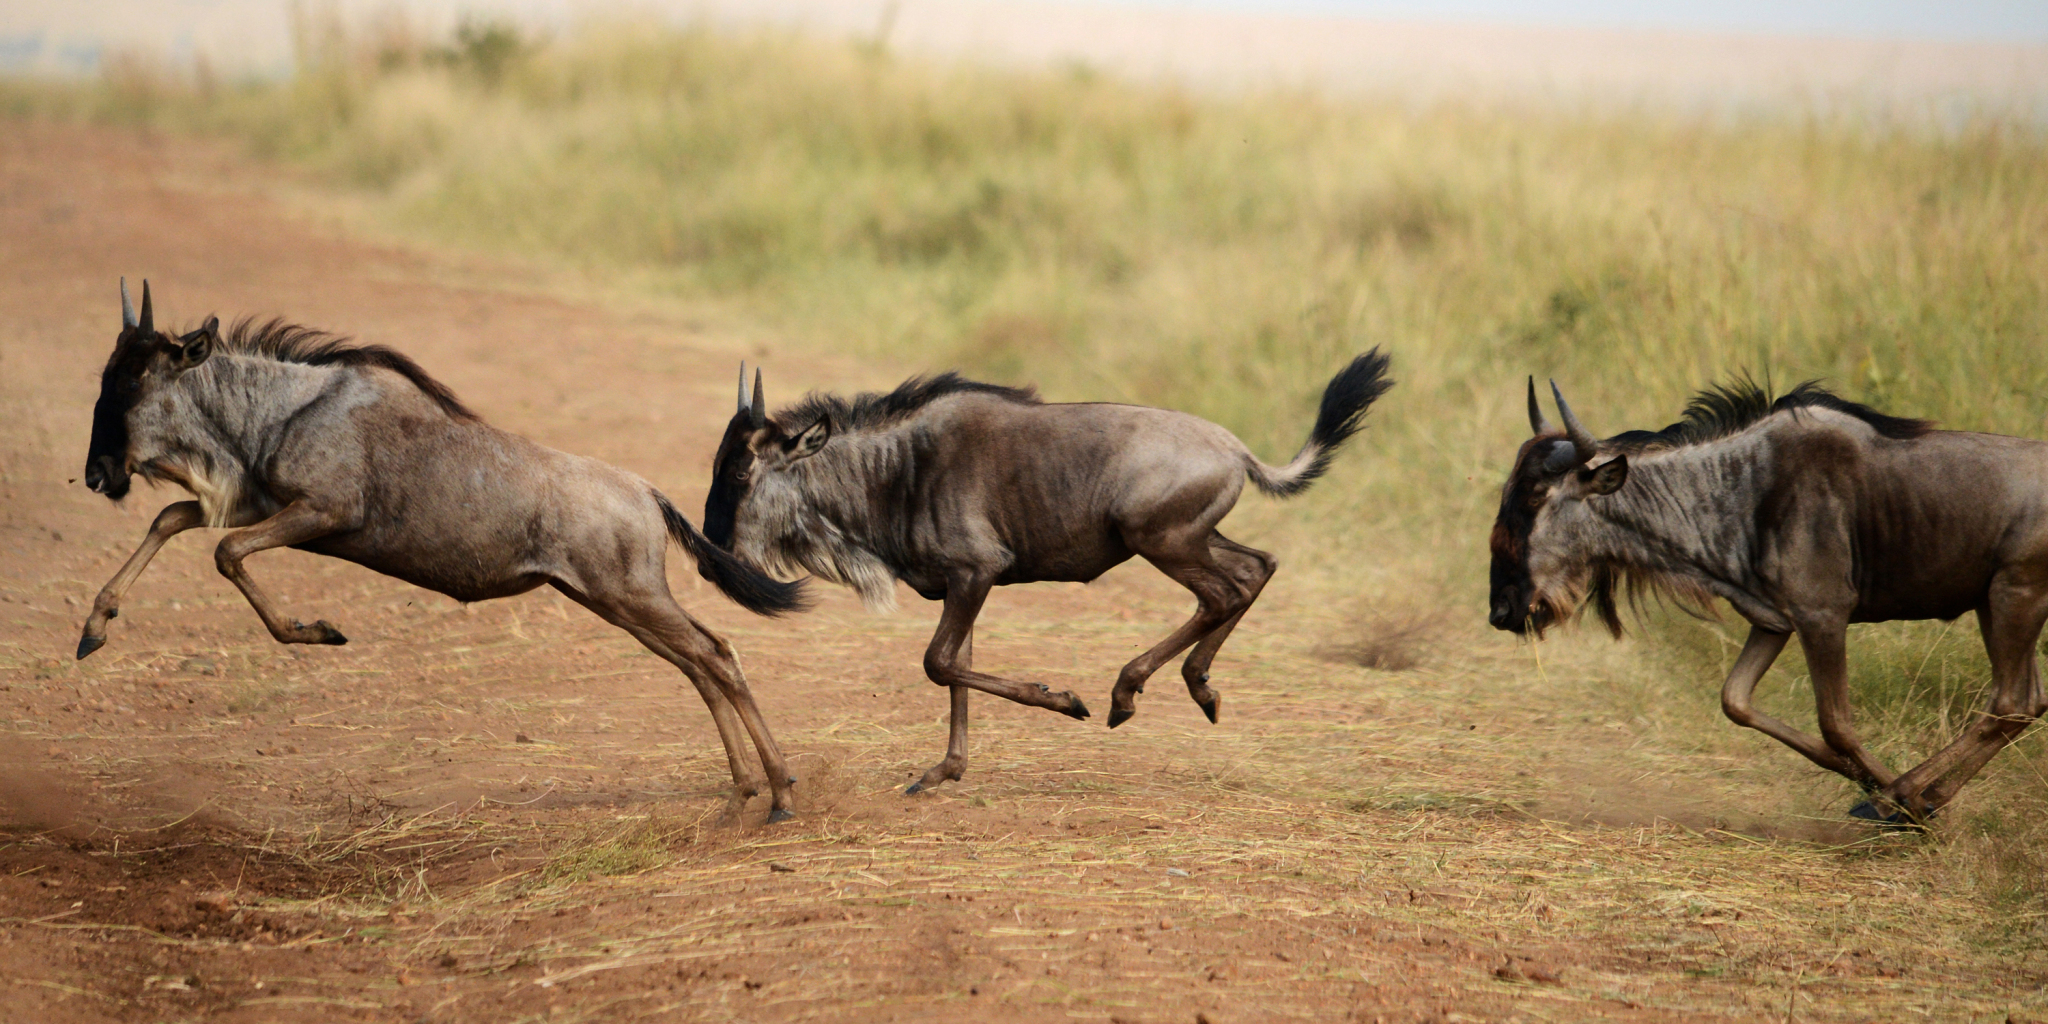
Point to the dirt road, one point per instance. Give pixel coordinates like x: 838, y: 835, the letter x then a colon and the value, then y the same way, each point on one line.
x: 510, y: 812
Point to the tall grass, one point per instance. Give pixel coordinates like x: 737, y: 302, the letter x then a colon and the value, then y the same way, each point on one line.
x: 1224, y: 253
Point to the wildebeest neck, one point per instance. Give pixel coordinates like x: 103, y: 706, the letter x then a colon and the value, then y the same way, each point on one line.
x: 1684, y: 526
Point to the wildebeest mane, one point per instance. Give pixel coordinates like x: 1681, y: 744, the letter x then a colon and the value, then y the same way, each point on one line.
x: 291, y: 343
x: 875, y: 409
x: 1725, y: 409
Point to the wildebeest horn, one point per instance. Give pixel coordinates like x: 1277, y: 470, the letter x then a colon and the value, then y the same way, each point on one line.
x: 127, y: 307
x: 148, y: 322
x: 743, y: 386
x: 1537, y: 423
x: 760, y: 405
x: 1581, y: 438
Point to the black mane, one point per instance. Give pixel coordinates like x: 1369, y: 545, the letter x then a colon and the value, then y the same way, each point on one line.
x: 291, y: 343
x: 1725, y: 409
x: 874, y: 409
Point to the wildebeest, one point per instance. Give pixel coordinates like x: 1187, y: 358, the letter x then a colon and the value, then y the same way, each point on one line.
x: 954, y: 487
x: 1806, y: 512
x: 292, y: 437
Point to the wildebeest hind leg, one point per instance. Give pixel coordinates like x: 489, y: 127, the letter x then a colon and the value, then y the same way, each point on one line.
x: 297, y: 523
x: 2011, y: 625
x: 1251, y: 568
x: 738, y: 755
x: 175, y: 519
x: 1218, y: 600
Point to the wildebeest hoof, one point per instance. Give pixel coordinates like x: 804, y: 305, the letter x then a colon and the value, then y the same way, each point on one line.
x: 915, y: 788
x: 1899, y: 819
x: 88, y: 644
x: 324, y: 633
x: 1078, y: 710
x: 1118, y: 716
x: 779, y: 815
x: 1210, y: 707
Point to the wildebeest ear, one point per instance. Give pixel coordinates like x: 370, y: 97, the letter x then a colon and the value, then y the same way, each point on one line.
x: 807, y: 443
x: 1607, y: 477
x: 194, y: 348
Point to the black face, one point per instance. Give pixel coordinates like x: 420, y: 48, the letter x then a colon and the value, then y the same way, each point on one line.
x: 732, y: 473
x: 106, y: 457
x: 1514, y: 591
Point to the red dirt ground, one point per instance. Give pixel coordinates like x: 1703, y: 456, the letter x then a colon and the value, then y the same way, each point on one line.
x: 509, y: 812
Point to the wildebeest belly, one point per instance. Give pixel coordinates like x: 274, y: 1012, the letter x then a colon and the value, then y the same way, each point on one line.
x: 461, y: 571
x: 1079, y: 560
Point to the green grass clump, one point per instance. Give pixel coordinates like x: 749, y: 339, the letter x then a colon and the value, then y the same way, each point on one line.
x: 626, y: 846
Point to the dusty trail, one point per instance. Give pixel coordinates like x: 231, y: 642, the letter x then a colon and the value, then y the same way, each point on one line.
x: 510, y: 812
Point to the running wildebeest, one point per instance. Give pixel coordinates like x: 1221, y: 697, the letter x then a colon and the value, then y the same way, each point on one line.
x: 1805, y: 512
x: 291, y: 437
x: 955, y: 487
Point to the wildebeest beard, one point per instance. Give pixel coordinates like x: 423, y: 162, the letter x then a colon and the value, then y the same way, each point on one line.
x: 826, y: 515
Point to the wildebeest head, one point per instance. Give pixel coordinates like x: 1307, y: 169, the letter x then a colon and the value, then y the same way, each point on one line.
x: 145, y: 362
x: 1552, y: 472
x: 753, y: 444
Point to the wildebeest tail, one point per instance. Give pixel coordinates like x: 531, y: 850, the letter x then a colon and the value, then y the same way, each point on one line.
x: 749, y: 587
x: 1351, y: 392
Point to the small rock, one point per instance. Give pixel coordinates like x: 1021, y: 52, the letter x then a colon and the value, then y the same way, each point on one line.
x: 199, y: 666
x: 447, y: 960
x: 1166, y: 924
x: 521, y: 738
x: 1176, y: 872
x: 1508, y: 972
x: 774, y: 866
x: 1542, y: 974
x: 1203, y: 1018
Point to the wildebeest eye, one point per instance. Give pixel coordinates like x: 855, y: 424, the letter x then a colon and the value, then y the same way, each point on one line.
x: 133, y: 384
x: 1536, y: 498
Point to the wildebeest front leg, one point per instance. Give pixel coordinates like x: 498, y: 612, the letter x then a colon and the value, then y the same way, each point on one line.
x: 2011, y: 625
x: 944, y: 665
x: 955, y: 765
x: 296, y: 524
x: 1827, y: 659
x: 1252, y: 569
x: 1758, y: 652
x: 175, y: 519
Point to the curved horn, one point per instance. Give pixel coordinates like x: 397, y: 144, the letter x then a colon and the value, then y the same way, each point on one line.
x: 148, y: 322
x: 760, y: 409
x: 743, y: 386
x: 127, y: 307
x: 1536, y: 421
x: 1581, y: 438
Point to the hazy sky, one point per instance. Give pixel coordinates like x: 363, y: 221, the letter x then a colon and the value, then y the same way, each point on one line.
x: 2009, y: 21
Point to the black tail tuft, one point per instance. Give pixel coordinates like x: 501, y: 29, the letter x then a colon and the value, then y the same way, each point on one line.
x: 749, y: 587
x: 1350, y: 394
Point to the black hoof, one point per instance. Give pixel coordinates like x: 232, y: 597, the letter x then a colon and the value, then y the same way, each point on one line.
x: 778, y: 816
x: 1869, y: 811
x: 89, y: 644
x: 1118, y: 716
x: 331, y: 635
x: 1079, y: 710
x: 915, y: 788
x: 1209, y: 708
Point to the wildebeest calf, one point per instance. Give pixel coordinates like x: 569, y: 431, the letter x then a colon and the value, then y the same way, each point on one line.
x: 293, y: 438
x: 955, y: 487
